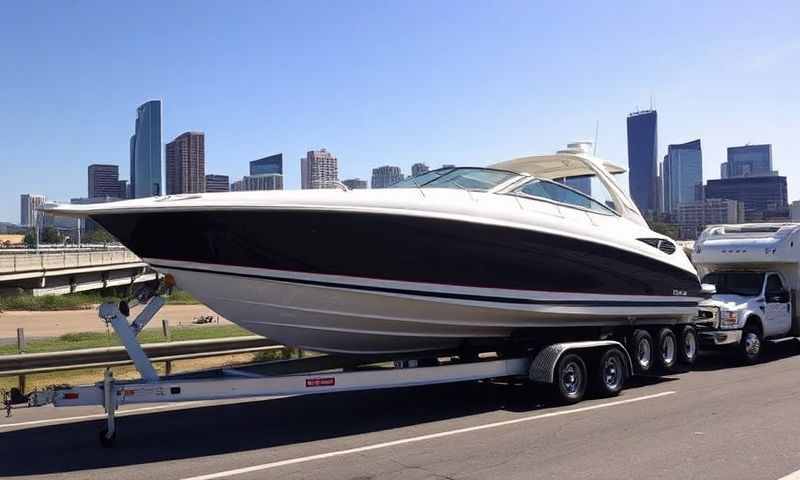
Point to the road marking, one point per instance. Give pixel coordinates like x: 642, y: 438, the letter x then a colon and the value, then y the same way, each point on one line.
x: 792, y: 476
x: 293, y: 461
x: 121, y: 413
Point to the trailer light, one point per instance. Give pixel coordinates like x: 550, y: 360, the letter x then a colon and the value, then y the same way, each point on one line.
x: 71, y: 396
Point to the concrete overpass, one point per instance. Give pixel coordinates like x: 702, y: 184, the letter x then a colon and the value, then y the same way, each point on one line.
x: 56, y: 271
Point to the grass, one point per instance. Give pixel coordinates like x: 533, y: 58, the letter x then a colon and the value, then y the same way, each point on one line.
x: 80, y: 301
x: 76, y: 341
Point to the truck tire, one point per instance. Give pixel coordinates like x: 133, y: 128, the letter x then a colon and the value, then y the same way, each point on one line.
x: 687, y: 345
x: 608, y: 377
x: 569, y: 379
x: 642, y: 350
x: 749, y: 348
x: 666, y: 354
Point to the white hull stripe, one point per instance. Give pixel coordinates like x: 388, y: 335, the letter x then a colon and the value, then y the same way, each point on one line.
x: 683, y: 302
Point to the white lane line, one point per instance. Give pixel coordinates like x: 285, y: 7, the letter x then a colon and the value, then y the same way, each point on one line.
x: 293, y: 461
x: 121, y: 413
x: 792, y: 476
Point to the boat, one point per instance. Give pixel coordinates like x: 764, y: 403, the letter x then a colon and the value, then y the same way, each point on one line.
x: 453, y: 257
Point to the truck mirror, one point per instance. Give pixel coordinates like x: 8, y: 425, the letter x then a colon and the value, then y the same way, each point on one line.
x: 708, y: 289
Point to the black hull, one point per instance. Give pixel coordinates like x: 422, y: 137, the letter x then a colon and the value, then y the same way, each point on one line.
x: 397, y: 248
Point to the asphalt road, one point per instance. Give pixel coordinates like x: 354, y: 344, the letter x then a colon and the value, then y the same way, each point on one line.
x: 715, y: 422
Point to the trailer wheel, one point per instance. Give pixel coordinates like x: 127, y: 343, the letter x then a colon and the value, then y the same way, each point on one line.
x: 751, y: 344
x: 105, y: 441
x: 687, y: 345
x: 642, y: 349
x: 609, y: 375
x: 667, y: 354
x: 570, y: 379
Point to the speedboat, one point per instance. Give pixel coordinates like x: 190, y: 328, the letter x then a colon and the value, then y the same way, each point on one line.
x: 453, y: 257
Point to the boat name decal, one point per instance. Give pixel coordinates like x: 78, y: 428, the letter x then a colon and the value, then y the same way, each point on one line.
x: 679, y: 293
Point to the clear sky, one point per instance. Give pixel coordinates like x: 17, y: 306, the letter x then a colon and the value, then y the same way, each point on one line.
x: 380, y: 82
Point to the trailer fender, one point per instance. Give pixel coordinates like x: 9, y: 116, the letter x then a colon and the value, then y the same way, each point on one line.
x: 544, y: 364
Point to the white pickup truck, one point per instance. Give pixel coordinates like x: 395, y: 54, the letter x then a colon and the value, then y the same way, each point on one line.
x: 755, y: 271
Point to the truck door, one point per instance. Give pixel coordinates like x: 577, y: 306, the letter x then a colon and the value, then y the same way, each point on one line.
x: 778, y: 311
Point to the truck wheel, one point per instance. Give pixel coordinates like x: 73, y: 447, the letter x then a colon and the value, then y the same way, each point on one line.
x: 569, y: 379
x: 687, y: 345
x: 642, y: 351
x: 751, y: 344
x: 609, y: 375
x: 667, y: 354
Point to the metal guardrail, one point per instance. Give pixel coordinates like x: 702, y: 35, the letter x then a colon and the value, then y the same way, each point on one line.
x: 30, y: 363
x: 31, y: 262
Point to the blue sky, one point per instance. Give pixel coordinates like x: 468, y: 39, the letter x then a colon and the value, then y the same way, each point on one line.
x: 377, y: 82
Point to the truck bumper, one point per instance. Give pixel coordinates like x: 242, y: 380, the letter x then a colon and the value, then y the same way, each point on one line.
x: 720, y: 337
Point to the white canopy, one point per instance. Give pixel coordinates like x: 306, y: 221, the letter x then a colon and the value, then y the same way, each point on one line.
x: 557, y: 166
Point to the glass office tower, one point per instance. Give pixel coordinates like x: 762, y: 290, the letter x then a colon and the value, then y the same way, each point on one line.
x: 272, y: 164
x: 146, y: 151
x: 749, y: 161
x: 683, y: 171
x: 642, y: 158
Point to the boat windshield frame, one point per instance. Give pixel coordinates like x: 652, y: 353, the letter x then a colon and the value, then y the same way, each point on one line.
x: 429, y: 178
x: 516, y: 190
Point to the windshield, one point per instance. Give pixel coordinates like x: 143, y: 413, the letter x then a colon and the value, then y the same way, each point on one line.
x: 474, y: 179
x: 745, y: 284
x: 566, y: 195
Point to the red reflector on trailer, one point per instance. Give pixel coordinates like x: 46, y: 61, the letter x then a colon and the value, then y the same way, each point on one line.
x: 321, y: 382
x: 70, y: 396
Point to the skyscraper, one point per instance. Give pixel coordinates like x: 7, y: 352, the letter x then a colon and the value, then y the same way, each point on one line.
x: 145, y: 151
x: 749, y: 161
x: 418, y: 169
x: 682, y: 172
x: 272, y: 164
x: 762, y: 197
x: 104, y: 181
x: 217, y: 183
x: 28, y: 203
x: 318, y: 169
x: 642, y: 158
x: 186, y: 163
x: 355, y: 183
x: 386, y: 176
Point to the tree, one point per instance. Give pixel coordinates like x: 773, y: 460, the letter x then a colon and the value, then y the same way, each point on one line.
x: 99, y: 235
x: 49, y: 235
x: 30, y: 239
x: 668, y: 229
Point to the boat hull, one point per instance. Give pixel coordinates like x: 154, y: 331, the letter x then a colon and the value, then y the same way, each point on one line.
x: 365, y: 283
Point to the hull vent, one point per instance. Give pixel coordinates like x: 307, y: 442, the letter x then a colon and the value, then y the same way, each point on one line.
x: 664, y: 245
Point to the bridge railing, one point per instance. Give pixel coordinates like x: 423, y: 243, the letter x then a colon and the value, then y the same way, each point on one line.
x: 43, y: 261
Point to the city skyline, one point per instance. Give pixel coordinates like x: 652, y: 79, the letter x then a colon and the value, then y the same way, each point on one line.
x: 740, y: 89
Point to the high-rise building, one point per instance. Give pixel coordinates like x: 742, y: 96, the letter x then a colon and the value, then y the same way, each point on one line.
x: 28, y: 203
x: 319, y: 169
x: 248, y: 183
x: 272, y: 164
x: 694, y: 216
x: 145, y: 151
x: 723, y: 170
x: 418, y: 169
x: 763, y: 197
x: 642, y: 158
x: 386, y: 176
x: 355, y: 183
x: 682, y: 172
x: 104, y: 181
x: 123, y: 189
x: 186, y: 163
x: 749, y: 161
x: 217, y: 183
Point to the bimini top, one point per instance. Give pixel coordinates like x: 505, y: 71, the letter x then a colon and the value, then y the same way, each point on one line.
x: 567, y: 164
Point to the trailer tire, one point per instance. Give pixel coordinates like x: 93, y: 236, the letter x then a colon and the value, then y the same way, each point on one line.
x: 642, y: 350
x: 105, y: 441
x: 609, y: 373
x: 751, y: 345
x: 687, y: 345
x: 569, y: 379
x: 667, y: 349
